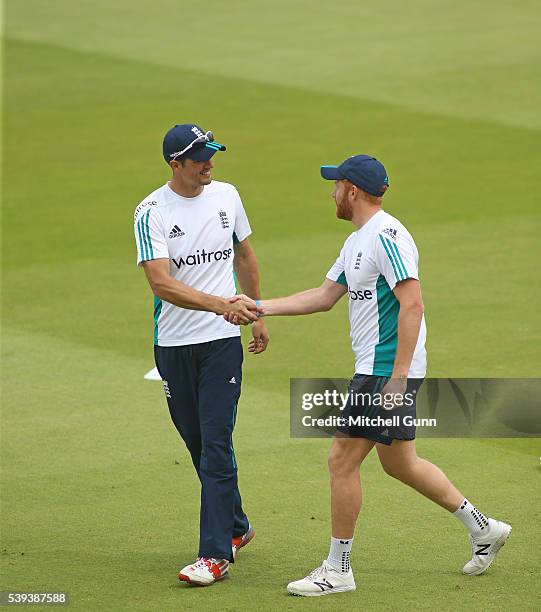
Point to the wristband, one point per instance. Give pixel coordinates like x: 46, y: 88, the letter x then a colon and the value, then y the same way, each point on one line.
x: 258, y: 304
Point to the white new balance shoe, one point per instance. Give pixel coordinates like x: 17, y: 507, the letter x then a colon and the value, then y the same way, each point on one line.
x: 485, y: 547
x: 324, y: 580
x: 204, y: 571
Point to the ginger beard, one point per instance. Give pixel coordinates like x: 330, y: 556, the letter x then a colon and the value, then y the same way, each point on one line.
x: 344, y: 208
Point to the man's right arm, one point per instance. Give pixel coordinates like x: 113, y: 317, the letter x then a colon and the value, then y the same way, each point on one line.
x: 319, y: 299
x: 165, y: 287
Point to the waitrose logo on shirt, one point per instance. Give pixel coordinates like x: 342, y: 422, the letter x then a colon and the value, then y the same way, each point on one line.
x: 202, y: 257
x: 361, y: 295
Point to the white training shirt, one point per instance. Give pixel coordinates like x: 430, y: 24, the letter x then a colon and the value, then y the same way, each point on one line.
x: 372, y: 261
x: 196, y: 235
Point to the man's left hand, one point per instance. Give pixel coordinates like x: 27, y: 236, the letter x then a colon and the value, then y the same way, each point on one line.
x: 260, y: 338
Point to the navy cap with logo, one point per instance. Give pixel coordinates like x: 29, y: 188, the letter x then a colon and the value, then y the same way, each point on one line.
x: 188, y: 140
x: 363, y: 171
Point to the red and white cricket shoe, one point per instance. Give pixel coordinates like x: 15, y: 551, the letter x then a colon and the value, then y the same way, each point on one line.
x: 240, y: 541
x: 204, y: 571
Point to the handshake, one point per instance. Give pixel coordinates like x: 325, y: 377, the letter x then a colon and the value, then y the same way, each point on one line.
x: 242, y: 310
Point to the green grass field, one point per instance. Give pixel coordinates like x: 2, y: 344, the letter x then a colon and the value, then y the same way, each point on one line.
x: 98, y: 495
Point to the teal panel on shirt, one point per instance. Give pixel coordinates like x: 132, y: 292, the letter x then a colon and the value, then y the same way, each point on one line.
x: 342, y: 279
x: 388, y: 309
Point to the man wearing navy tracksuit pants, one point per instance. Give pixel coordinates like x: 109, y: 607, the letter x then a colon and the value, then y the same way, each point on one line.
x: 192, y: 237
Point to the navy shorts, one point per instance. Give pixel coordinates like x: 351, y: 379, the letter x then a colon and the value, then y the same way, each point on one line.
x: 370, y: 415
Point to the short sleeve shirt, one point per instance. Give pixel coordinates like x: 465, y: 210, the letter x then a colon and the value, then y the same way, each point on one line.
x: 372, y: 261
x: 196, y: 235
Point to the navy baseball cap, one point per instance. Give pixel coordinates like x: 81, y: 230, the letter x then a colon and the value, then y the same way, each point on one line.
x: 362, y: 170
x: 179, y: 138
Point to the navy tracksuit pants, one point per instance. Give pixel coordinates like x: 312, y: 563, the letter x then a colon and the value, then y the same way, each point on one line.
x: 202, y: 385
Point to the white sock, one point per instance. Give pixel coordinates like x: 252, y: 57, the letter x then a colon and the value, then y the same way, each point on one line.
x: 339, y: 554
x: 474, y: 520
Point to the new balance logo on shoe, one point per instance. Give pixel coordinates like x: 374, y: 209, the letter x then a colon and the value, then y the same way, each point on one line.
x: 233, y: 380
x: 482, y: 548
x: 324, y: 585
x: 176, y: 232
